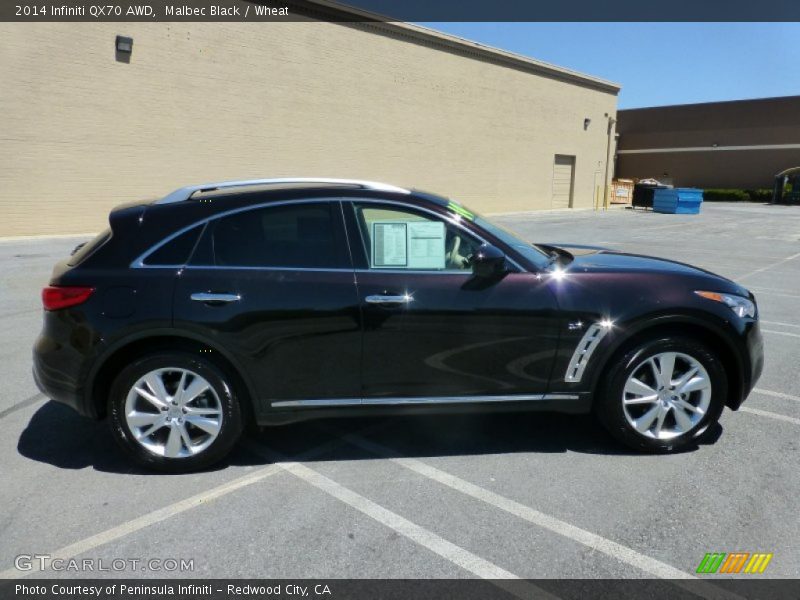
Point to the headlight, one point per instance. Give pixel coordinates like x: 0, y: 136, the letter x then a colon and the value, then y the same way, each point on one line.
x: 743, y: 307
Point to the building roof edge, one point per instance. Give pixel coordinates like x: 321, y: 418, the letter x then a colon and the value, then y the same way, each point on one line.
x: 456, y: 43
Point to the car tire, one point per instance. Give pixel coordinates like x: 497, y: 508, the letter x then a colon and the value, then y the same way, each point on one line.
x: 646, y: 410
x: 175, y: 412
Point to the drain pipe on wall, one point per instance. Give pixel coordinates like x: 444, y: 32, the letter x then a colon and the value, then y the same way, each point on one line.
x: 610, y: 134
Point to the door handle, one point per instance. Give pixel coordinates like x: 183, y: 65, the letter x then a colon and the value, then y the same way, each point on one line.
x: 211, y: 298
x: 380, y: 299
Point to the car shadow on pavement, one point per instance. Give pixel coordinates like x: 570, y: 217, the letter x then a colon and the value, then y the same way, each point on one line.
x: 456, y: 435
x: 58, y: 436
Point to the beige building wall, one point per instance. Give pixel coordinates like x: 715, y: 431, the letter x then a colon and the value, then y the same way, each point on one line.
x: 81, y: 132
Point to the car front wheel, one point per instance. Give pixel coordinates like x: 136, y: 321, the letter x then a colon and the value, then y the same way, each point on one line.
x: 174, y: 412
x: 663, y: 394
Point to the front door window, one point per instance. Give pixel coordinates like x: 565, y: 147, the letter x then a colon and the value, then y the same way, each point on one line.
x: 399, y: 238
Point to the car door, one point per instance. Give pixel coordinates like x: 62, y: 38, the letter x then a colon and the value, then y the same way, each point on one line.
x: 432, y: 330
x: 273, y: 286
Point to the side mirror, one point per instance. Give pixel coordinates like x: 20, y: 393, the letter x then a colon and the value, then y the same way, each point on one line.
x: 489, y: 261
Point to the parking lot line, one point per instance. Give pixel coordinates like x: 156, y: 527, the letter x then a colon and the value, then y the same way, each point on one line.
x: 12, y: 239
x: 161, y: 514
x: 457, y: 555
x: 22, y: 404
x: 595, y: 542
x: 776, y: 394
x: 780, y: 295
x: 772, y: 289
x: 781, y: 323
x: 786, y: 333
x: 591, y: 540
x: 771, y: 415
x: 648, y: 228
x: 151, y: 518
x: 769, y: 266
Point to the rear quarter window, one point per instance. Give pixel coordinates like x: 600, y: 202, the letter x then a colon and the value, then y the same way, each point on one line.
x: 176, y: 251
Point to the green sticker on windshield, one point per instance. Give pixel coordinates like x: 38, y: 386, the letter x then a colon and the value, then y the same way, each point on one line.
x: 457, y: 208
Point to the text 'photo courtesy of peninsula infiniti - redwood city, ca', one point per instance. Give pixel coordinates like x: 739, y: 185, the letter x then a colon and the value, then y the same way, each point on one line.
x: 270, y: 301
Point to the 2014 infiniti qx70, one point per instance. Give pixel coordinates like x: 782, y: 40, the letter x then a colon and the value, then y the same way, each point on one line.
x: 270, y: 301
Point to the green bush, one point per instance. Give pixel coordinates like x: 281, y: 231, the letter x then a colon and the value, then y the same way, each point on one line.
x: 760, y: 195
x: 725, y: 196
x: 734, y: 195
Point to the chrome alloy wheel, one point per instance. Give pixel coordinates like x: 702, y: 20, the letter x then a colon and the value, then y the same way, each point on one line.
x: 173, y: 412
x: 666, y: 395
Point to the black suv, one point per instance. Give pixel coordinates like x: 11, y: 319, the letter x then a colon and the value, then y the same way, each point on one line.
x: 268, y: 301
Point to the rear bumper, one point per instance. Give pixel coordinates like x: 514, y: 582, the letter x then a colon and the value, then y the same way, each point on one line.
x: 57, y: 373
x: 52, y: 390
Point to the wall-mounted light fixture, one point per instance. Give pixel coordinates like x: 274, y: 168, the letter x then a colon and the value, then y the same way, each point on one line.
x: 124, y: 44
x: 586, y: 123
x: 123, y: 47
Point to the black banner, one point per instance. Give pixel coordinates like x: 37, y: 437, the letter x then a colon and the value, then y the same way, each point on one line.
x: 404, y: 589
x: 400, y: 10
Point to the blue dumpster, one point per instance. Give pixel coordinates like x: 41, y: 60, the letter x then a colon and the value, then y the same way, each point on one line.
x: 678, y: 201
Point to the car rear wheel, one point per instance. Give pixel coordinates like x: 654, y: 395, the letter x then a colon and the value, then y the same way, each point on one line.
x: 174, y: 412
x: 662, y: 394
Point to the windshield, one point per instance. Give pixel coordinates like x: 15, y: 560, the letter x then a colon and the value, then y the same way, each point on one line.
x: 540, y: 259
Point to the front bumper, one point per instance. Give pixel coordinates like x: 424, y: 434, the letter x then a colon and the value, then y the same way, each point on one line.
x: 753, y: 362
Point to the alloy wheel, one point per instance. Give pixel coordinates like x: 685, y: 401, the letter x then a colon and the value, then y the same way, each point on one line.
x: 173, y: 412
x: 666, y: 395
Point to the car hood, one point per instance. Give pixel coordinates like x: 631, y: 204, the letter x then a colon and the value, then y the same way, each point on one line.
x: 598, y: 259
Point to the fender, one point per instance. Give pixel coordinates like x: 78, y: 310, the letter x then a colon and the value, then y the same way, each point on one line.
x: 179, y: 334
x: 708, y: 323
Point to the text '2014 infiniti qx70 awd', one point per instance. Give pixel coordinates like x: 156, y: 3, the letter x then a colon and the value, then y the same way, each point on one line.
x: 269, y: 301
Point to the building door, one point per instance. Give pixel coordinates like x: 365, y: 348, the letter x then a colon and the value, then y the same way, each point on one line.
x: 563, y: 181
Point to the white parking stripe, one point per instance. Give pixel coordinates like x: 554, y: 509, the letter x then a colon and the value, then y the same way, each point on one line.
x: 591, y: 540
x: 776, y: 394
x: 22, y: 404
x: 780, y: 323
x: 457, y: 555
x: 763, y: 293
x: 151, y: 518
x: 771, y: 415
x: 771, y: 289
x: 463, y: 558
x: 786, y: 333
x: 28, y: 238
x: 156, y: 516
x: 769, y: 266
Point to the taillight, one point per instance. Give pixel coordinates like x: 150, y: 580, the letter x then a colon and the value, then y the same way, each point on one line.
x: 55, y: 297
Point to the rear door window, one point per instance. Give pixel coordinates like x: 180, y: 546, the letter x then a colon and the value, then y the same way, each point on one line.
x: 305, y: 235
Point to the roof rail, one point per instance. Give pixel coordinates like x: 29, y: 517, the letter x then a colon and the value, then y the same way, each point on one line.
x: 185, y: 193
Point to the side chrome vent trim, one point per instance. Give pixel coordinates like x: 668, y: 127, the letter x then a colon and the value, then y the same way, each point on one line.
x: 583, y: 352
